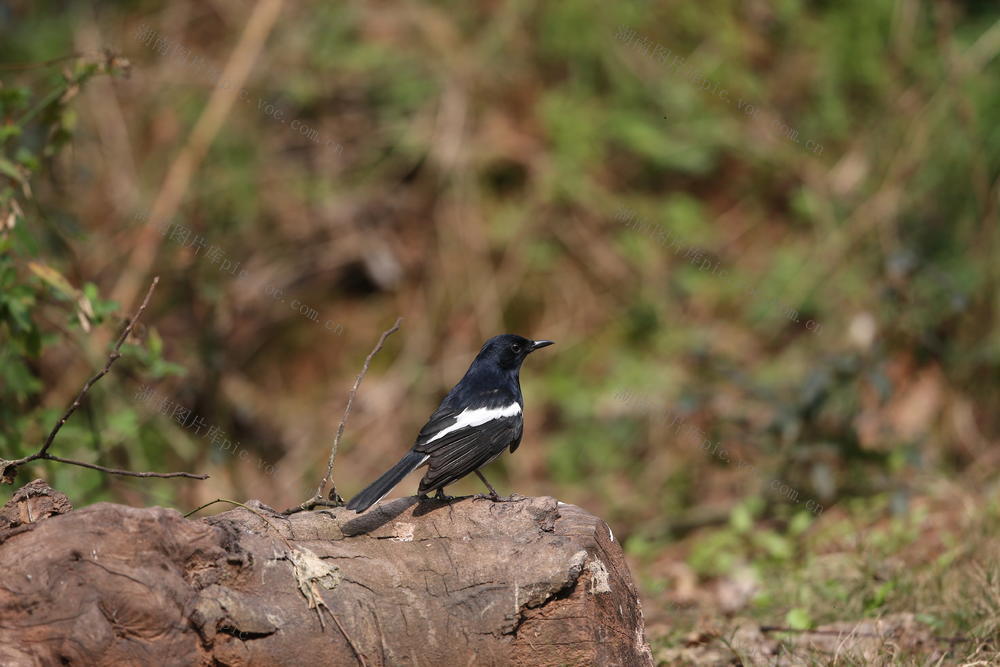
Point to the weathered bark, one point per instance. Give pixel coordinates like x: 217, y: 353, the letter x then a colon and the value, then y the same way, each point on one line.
x: 528, y: 582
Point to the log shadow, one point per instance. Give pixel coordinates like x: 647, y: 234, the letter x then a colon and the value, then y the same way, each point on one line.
x: 428, y: 505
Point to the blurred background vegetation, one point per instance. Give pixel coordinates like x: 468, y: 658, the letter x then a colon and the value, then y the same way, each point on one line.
x: 764, y: 235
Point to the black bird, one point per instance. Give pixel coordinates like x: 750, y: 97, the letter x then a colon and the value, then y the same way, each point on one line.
x: 479, y: 418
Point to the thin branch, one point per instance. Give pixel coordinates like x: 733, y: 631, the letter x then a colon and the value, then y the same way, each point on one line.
x: 347, y: 412
x: 8, y: 469
x: 209, y: 504
x: 108, y: 61
x: 334, y: 497
x: 247, y: 508
x: 112, y: 358
x: 128, y: 473
x: 43, y: 63
x: 357, y: 652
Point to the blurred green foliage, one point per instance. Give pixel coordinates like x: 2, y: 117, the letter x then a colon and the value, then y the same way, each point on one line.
x: 39, y: 306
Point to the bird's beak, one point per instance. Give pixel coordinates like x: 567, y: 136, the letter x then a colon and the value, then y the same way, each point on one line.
x: 538, y: 344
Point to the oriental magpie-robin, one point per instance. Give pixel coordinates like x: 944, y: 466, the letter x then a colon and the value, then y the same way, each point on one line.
x: 478, y: 419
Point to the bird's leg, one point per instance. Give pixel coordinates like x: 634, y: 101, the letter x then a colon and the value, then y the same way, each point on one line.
x: 493, y: 492
x: 440, y: 495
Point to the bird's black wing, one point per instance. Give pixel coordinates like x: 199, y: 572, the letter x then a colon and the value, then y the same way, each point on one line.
x: 458, y: 441
x: 459, y: 452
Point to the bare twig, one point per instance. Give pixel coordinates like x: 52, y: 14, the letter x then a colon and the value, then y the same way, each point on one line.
x: 43, y: 63
x: 8, y: 469
x: 347, y: 413
x: 128, y: 473
x: 334, y: 499
x: 209, y: 504
x: 112, y: 358
x: 357, y: 653
x: 247, y: 508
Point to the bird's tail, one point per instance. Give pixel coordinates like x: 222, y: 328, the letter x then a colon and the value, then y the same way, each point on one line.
x: 383, y: 485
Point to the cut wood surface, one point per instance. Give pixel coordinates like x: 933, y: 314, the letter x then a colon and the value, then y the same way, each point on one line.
x: 471, y: 582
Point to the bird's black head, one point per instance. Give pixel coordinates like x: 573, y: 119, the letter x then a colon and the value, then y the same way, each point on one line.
x: 508, y: 350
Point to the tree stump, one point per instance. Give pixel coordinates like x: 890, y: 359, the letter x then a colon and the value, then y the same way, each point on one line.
x: 411, y: 582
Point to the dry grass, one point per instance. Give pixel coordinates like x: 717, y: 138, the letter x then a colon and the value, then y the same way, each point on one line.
x: 873, y: 589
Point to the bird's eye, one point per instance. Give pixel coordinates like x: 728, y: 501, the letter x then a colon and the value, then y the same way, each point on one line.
x: 515, y: 348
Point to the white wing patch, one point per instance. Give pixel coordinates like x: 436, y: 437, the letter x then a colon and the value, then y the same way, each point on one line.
x: 478, y: 417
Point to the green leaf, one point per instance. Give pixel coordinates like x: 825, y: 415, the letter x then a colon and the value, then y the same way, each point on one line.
x: 10, y: 170
x: 798, y: 619
x: 155, y: 343
x: 741, y: 519
x: 8, y: 131
x: 13, y: 99
x: 777, y: 546
x: 33, y: 342
x: 54, y: 279
x: 879, y: 596
x: 799, y: 523
x: 19, y: 310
